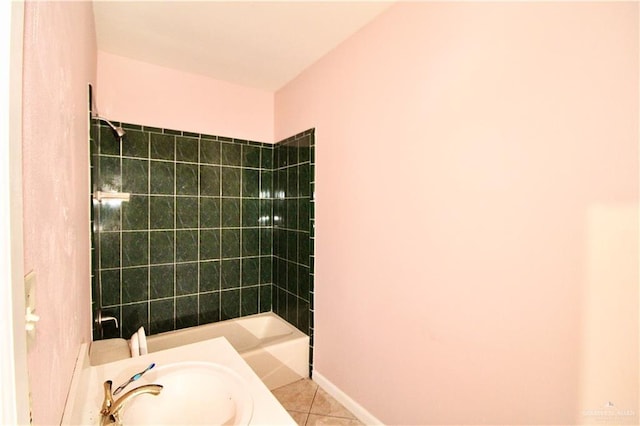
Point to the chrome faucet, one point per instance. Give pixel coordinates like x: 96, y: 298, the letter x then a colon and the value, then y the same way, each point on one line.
x: 111, y: 409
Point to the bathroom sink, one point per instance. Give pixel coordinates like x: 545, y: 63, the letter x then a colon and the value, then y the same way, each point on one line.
x: 195, y: 393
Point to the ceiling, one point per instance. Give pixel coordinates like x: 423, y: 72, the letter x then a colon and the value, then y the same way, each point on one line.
x: 260, y: 44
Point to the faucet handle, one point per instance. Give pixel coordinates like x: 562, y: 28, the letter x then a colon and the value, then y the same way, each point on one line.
x: 107, y: 402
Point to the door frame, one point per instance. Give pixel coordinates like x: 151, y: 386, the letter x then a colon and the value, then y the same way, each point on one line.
x: 14, y: 382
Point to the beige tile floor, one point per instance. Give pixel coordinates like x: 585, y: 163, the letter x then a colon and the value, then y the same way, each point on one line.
x: 309, y: 405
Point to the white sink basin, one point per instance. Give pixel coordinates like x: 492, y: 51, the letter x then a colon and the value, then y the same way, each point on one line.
x: 194, y: 393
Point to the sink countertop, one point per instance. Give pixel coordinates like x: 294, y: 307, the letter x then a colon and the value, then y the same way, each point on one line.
x: 86, y: 393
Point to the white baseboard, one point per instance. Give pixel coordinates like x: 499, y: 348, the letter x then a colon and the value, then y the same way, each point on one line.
x: 358, y: 410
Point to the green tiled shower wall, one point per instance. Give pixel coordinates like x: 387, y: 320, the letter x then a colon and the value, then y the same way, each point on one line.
x: 293, y: 223
x: 194, y: 244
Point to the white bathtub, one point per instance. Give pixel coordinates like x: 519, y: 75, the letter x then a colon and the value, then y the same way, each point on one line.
x: 277, y: 351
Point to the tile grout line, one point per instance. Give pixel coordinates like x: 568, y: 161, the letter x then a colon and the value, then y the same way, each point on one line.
x: 148, y: 231
x: 241, y: 191
x: 175, y: 238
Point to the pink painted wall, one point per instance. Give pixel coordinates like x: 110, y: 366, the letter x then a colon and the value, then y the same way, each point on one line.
x: 471, y: 158
x: 142, y: 93
x: 59, y: 62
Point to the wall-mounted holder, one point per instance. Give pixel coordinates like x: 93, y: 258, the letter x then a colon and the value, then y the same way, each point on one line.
x: 100, y: 196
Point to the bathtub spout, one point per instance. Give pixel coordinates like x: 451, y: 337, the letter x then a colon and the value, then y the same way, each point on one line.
x: 111, y: 409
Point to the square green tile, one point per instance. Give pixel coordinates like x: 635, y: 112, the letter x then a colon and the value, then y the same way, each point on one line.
x: 130, y: 126
x: 266, y: 184
x: 135, y: 284
x: 133, y: 317
x: 93, y: 170
x: 109, y: 142
x: 230, y: 271
x: 292, y: 309
x: 302, y: 319
x: 209, y: 244
x: 186, y: 278
x: 186, y: 149
x: 161, y: 281
x: 280, y: 156
x: 231, y: 154
x: 292, y: 246
x: 266, y: 157
x: 109, y: 217
x: 230, y: 243
x: 251, y: 242
x: 250, y: 271
x: 209, y: 137
x: 249, y: 300
x: 303, y: 248
x: 250, y: 212
x: 209, y: 308
x: 282, y: 304
x: 304, y: 152
x: 292, y: 277
x: 250, y: 183
x: 161, y: 247
x: 266, y: 212
x: 275, y: 275
x: 209, y: 212
x: 280, y: 213
x: 265, y: 269
x: 304, y: 180
x: 210, y: 180
x: 209, y: 151
x: 135, y: 176
x: 280, y: 273
x: 292, y: 181
x: 161, y: 314
x: 94, y: 132
x: 292, y: 213
x: 303, y: 214
x: 303, y: 282
x: 135, y: 213
x: 230, y: 212
x: 280, y: 184
x: 275, y: 301
x: 135, y: 143
x: 135, y: 247
x: 109, y: 250
x: 110, y: 174
x: 110, y: 281
x: 163, y: 146
x: 209, y: 276
x: 250, y: 156
x: 292, y: 153
x: 266, y: 243
x: 162, y: 177
x: 230, y: 303
x: 265, y: 298
x: 161, y: 212
x: 186, y: 246
x: 230, y: 182
x: 186, y: 311
x: 186, y: 212
x: 279, y: 243
x: 186, y: 179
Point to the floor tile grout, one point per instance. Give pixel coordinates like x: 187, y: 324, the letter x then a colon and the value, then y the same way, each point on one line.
x: 307, y: 410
